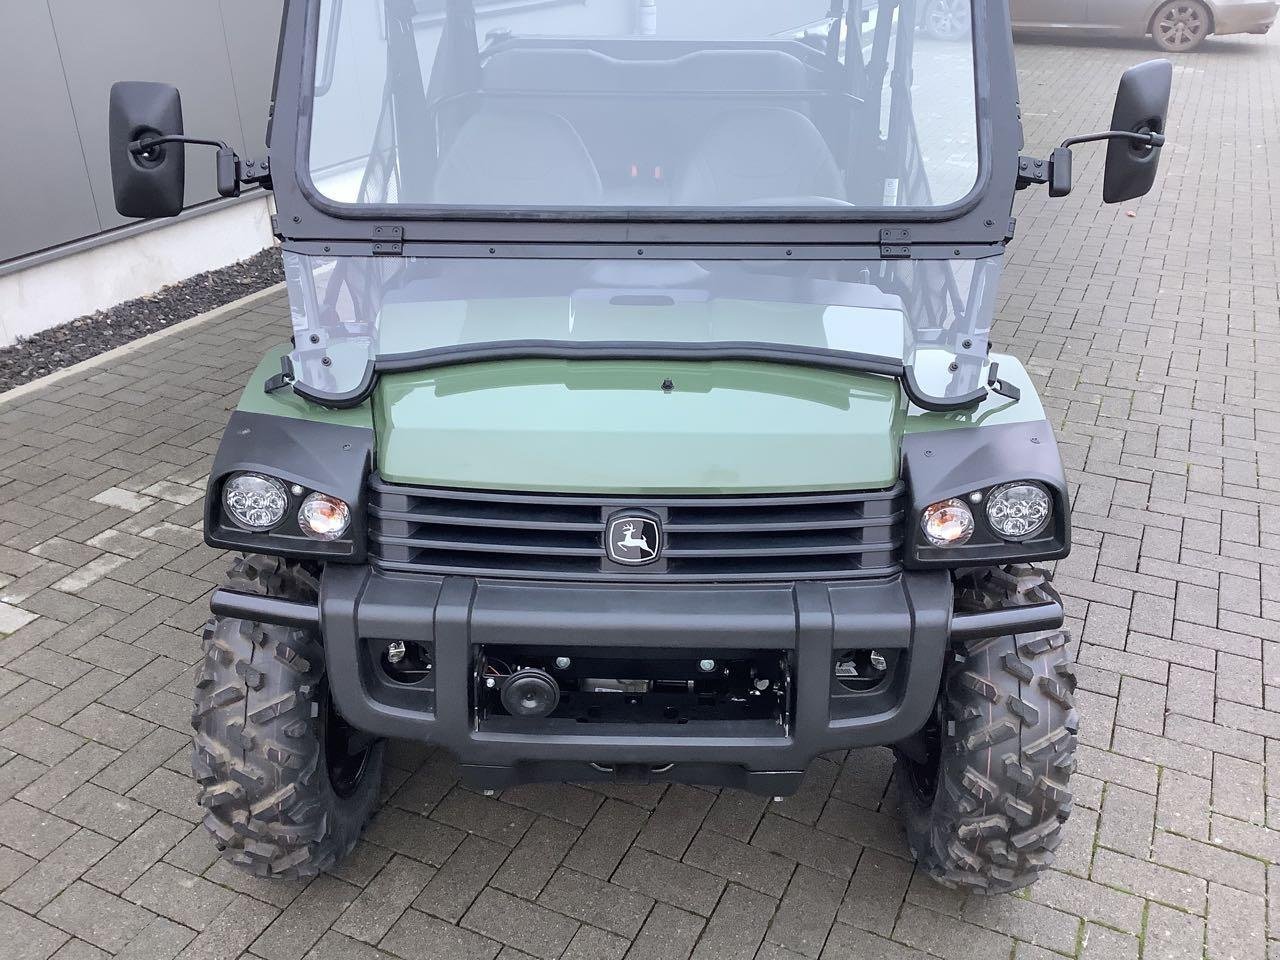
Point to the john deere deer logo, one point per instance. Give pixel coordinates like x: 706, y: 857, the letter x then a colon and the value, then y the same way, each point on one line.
x: 629, y: 538
x: 633, y: 540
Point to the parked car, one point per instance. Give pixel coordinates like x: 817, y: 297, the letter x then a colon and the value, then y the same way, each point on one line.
x: 1177, y: 26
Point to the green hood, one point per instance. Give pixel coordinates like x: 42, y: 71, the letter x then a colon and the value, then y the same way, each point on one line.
x: 610, y: 427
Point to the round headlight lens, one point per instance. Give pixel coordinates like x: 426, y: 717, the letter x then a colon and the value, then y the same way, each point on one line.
x: 1019, y: 511
x: 947, y: 524
x: 255, y: 502
x: 323, y: 517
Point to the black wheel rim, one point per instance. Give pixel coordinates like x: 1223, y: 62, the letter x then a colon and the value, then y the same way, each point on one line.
x: 346, y: 752
x: 1180, y: 26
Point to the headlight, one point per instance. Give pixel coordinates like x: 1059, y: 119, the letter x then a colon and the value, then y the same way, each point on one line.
x: 947, y: 524
x: 1019, y: 511
x: 255, y: 502
x: 323, y: 517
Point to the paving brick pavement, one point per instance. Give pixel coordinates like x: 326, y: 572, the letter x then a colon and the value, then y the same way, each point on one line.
x: 1156, y: 339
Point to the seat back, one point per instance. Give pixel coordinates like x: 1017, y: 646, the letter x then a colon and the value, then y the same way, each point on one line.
x: 513, y: 156
x: 759, y: 154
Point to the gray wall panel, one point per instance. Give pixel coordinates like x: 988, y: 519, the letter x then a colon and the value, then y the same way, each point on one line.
x: 58, y: 59
x: 45, y: 198
x: 253, y: 34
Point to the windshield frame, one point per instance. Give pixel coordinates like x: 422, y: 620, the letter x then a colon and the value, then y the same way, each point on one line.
x: 973, y: 225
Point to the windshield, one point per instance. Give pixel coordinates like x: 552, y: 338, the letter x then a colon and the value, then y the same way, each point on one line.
x: 353, y: 316
x: 619, y: 106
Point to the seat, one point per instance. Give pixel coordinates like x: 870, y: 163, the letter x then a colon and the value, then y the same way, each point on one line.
x: 646, y: 104
x: 761, y: 154
x: 508, y: 157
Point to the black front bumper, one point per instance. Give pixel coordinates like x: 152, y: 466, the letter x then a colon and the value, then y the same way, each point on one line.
x: 362, y: 609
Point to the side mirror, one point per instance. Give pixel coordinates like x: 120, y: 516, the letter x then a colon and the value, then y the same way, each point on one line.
x: 1142, y: 107
x: 150, y: 184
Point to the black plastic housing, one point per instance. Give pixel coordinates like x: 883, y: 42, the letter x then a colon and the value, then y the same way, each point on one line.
x: 1142, y: 106
x: 150, y: 185
x: 560, y: 537
x: 320, y: 457
x: 362, y: 609
x: 947, y: 464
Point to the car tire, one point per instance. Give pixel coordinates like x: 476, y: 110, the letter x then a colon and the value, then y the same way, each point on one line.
x: 287, y: 785
x: 948, y: 19
x: 985, y: 802
x: 1180, y: 26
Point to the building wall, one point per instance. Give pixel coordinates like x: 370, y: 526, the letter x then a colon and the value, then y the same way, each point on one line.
x: 58, y: 59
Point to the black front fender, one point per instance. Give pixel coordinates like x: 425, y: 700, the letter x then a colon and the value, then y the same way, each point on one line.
x: 322, y: 457
x: 944, y: 464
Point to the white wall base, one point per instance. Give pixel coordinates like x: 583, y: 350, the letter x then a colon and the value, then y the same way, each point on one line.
x: 53, y: 293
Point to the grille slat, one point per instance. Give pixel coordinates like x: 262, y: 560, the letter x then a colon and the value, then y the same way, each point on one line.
x: 781, y: 527
x: 532, y: 549
x: 810, y: 550
x: 441, y: 520
x: 742, y: 538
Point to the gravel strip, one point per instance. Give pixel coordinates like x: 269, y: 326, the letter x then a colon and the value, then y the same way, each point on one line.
x: 50, y: 350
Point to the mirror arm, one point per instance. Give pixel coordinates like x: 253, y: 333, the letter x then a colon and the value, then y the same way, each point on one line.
x: 146, y: 146
x: 1056, y: 171
x: 1148, y: 139
x: 230, y: 170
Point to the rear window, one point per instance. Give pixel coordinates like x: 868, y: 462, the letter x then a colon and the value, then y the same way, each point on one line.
x: 733, y: 106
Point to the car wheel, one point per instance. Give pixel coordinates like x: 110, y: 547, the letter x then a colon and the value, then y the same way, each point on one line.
x: 948, y: 19
x: 1181, y: 25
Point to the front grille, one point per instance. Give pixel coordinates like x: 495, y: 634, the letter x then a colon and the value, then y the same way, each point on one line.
x: 561, y: 537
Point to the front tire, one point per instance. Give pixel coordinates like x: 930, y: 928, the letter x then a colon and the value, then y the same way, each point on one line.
x: 1180, y: 26
x: 985, y: 800
x: 288, y: 786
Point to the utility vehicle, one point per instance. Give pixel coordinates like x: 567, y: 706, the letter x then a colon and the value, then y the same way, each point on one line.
x: 639, y: 421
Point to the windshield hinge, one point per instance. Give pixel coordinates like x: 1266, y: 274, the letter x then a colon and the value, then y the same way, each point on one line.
x: 388, y: 241
x: 895, y: 243
x: 1012, y: 230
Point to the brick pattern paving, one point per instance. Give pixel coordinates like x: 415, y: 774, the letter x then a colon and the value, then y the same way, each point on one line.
x: 1156, y: 338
